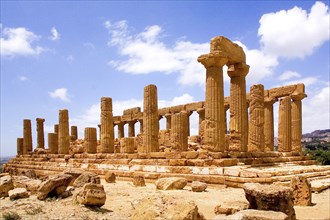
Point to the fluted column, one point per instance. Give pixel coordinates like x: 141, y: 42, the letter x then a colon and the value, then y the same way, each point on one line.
x: 27, y: 136
x: 19, y: 146
x: 131, y: 128
x: 141, y: 125
x: 238, y: 113
x: 168, y: 117
x: 53, y: 143
x: 269, y: 123
x: 90, y: 140
x: 107, y: 131
x: 63, y: 132
x: 40, y: 133
x: 284, y: 125
x: 201, y: 118
x: 296, y: 117
x: 214, y: 133
x: 121, y: 131
x: 256, y: 125
x: 179, y: 132
x: 150, y: 119
x: 74, y: 133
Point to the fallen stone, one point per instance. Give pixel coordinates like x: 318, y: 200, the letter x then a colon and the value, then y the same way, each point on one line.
x: 302, y: 193
x: 30, y: 173
x: 86, y: 177
x: 171, y: 183
x: 18, y: 193
x: 197, y: 186
x: 229, y: 208
x: 49, y: 186
x: 320, y: 185
x: 65, y: 194
x: 29, y: 184
x: 40, y: 151
x: 138, y: 181
x: 75, y: 173
x: 252, y: 214
x: 6, y: 184
x: 110, y: 177
x: 91, y: 194
x: 270, y: 197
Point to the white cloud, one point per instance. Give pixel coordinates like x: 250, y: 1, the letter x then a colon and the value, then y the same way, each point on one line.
x: 55, y: 34
x: 295, y: 33
x: 18, y: 41
x: 22, y: 78
x: 61, y: 93
x: 308, y: 81
x: 288, y: 75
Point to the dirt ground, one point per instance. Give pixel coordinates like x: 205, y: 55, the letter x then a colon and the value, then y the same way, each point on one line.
x: 122, y: 196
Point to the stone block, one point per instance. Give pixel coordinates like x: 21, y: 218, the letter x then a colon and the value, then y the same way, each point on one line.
x: 158, y: 155
x: 229, y: 207
x: 302, y: 193
x: 91, y: 195
x: 171, y: 183
x: 193, y: 106
x: 197, y: 186
x: 191, y: 154
x: 6, y: 184
x: 231, y: 171
x: 172, y: 155
x: 178, y: 162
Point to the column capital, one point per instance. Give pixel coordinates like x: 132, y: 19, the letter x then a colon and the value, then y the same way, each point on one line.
x: 238, y: 69
x: 187, y: 112
x: 200, y: 110
x: 40, y: 119
x: 168, y: 115
x: 213, y: 59
x: 298, y: 96
x: 270, y: 100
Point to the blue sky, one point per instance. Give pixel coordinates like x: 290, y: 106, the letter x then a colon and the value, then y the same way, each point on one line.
x: 61, y: 54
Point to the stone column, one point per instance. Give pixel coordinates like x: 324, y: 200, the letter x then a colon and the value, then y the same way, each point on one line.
x: 214, y: 131
x: 131, y: 128
x: 188, y: 121
x: 256, y: 126
x: 53, y: 143
x: 296, y: 116
x: 27, y: 136
x: 63, y: 132
x: 74, y: 133
x: 201, y: 118
x: 238, y: 113
x: 284, y: 125
x: 121, y: 131
x: 56, y: 128
x: 90, y: 141
x: 269, y: 123
x: 127, y: 145
x: 19, y: 146
x: 141, y: 125
x: 40, y: 133
x: 107, y: 131
x: 179, y: 132
x: 168, y: 117
x: 150, y: 119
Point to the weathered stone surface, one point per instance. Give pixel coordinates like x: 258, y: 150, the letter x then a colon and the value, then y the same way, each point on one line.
x: 6, y: 184
x: 74, y: 133
x: 18, y: 193
x: 30, y: 173
x: 90, y: 141
x: 270, y: 197
x: 296, y: 117
x: 107, y: 128
x: 86, y: 177
x: 49, y: 186
x: 165, y: 207
x: 138, y: 180
x: 226, y: 48
x: 19, y: 146
x: 127, y: 145
x: 302, y: 193
x: 252, y: 214
x: 29, y: 184
x: 91, y: 194
x: 284, y: 125
x: 63, y: 132
x: 40, y: 133
x: 75, y: 173
x: 171, y: 183
x: 197, y: 186
x: 110, y: 177
x: 27, y: 136
x: 179, y: 131
x: 269, y: 122
x: 320, y: 185
x: 229, y: 208
x: 53, y: 143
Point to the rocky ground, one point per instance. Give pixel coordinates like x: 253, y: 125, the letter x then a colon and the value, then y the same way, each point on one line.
x: 123, y: 197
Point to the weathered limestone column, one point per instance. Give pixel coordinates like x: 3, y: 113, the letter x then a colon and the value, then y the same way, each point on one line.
x: 141, y: 125
x: 238, y: 113
x: 284, y: 125
x: 188, y: 121
x: 90, y: 141
x: 256, y: 126
x: 131, y: 128
x: 269, y: 123
x: 19, y: 146
x: 53, y: 143
x: 214, y: 131
x: 63, y: 132
x: 179, y: 132
x: 201, y: 118
x: 296, y: 116
x: 107, y: 131
x: 56, y: 128
x: 150, y: 119
x: 168, y: 117
x: 74, y: 133
x: 121, y: 131
x: 127, y: 145
x: 40, y: 133
x: 27, y: 136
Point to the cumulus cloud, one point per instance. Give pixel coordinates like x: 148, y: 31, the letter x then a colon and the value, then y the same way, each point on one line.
x: 295, y: 33
x: 55, y: 34
x: 61, y: 93
x: 18, y: 42
x: 288, y: 75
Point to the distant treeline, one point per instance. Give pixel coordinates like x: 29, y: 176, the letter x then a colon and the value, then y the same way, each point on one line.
x: 319, y: 151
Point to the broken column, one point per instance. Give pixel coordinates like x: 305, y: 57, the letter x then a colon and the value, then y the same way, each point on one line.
x: 179, y: 132
x: 269, y: 123
x: 19, y: 146
x: 107, y: 131
x: 63, y: 132
x: 40, y: 133
x: 150, y: 119
x: 27, y: 136
x: 284, y: 125
x: 168, y: 117
x: 256, y: 125
x: 56, y: 128
x: 90, y: 141
x: 74, y: 133
x: 131, y: 128
x: 53, y: 143
x: 238, y: 111
x: 296, y: 117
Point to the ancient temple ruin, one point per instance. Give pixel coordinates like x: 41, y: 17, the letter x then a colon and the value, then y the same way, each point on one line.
x: 245, y: 154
